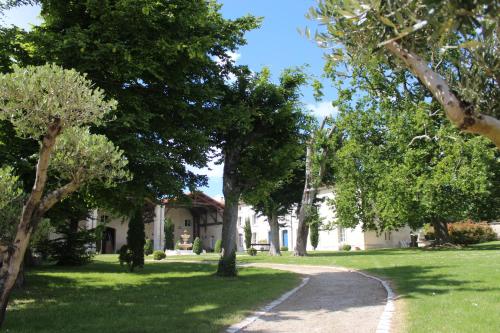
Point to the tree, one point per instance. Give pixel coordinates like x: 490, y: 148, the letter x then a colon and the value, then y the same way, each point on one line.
x: 318, y: 148
x: 248, y: 233
x: 276, y: 198
x: 257, y: 120
x: 450, y: 47
x: 164, y: 76
x: 400, y: 164
x: 50, y: 104
x: 197, y: 246
x: 168, y: 229
x: 135, y: 240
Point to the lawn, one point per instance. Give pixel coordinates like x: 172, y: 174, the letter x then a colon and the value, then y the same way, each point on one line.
x: 443, y: 290
x: 172, y: 297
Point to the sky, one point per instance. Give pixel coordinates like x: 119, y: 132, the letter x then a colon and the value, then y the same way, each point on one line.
x: 276, y: 44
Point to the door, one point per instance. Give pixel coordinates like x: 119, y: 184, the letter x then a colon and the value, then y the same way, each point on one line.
x: 284, y: 236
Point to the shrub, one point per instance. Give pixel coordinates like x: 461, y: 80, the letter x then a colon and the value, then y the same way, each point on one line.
x: 218, y: 246
x: 248, y: 233
x: 346, y: 247
x: 284, y: 248
x: 251, y: 251
x: 168, y: 229
x: 469, y: 232
x: 148, y: 247
x: 197, y: 248
x: 314, y: 234
x: 125, y: 256
x: 178, y: 245
x: 159, y: 255
x: 135, y: 239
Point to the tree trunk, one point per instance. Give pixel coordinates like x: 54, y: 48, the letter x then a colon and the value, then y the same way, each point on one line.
x: 441, y: 231
x: 20, y: 281
x: 311, y: 185
x: 274, y: 242
x: 13, y: 258
x: 232, y: 192
x: 305, y: 207
x: 465, y: 119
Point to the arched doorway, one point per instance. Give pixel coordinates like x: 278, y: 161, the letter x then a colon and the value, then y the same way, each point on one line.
x: 108, y: 241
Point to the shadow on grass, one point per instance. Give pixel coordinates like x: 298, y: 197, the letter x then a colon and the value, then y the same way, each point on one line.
x: 175, y: 297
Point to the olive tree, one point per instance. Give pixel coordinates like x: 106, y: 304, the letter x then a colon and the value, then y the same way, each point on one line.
x: 449, y: 47
x: 53, y: 105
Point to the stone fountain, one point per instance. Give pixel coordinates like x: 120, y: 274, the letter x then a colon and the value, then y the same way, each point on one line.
x: 185, y: 238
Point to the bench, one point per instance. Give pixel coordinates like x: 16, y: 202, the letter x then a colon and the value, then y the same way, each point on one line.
x: 261, y: 247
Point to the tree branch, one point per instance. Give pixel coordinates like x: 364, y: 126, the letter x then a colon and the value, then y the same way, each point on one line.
x: 456, y: 110
x: 57, y: 195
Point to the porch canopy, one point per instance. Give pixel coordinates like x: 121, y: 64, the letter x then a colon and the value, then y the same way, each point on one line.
x: 206, y: 211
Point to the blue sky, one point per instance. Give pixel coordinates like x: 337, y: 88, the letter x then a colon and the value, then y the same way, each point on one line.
x: 277, y: 45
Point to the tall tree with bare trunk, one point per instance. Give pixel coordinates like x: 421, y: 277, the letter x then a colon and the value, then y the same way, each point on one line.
x: 318, y: 149
x: 257, y: 122
x: 50, y: 104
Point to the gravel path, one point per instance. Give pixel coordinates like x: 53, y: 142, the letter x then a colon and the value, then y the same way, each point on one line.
x: 334, y: 300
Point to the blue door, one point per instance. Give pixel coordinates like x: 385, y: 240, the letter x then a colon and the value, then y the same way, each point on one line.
x: 284, y: 236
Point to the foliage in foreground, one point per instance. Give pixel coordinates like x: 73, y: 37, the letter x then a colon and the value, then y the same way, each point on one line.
x: 54, y: 106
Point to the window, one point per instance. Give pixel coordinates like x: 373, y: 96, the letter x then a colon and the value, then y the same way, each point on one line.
x: 187, y: 223
x: 342, y: 237
x: 387, y: 235
x: 254, y: 237
x: 254, y: 219
x: 239, y: 221
x: 104, y: 219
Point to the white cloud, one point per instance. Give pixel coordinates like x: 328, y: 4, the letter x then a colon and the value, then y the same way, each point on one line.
x: 212, y: 170
x: 233, y: 56
x: 323, y: 109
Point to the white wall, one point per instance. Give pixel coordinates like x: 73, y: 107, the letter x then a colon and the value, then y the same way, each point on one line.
x: 387, y: 239
x: 178, y: 216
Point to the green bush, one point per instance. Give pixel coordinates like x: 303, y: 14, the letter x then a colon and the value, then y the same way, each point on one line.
x: 284, y: 248
x: 346, y: 247
x: 429, y: 233
x: 251, y: 251
x: 218, y: 246
x: 148, y: 247
x: 159, y: 255
x: 469, y: 232
x: 248, y: 233
x: 125, y: 256
x: 168, y: 230
x: 197, y: 247
x: 178, y: 245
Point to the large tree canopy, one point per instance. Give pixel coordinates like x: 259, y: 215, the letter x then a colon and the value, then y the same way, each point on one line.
x: 52, y: 105
x: 260, y: 123
x: 401, y: 164
x: 160, y: 60
x: 450, y: 47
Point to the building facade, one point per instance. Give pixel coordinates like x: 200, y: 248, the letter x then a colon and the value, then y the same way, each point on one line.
x: 201, y: 216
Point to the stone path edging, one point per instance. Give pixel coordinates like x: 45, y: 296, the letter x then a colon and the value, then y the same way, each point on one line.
x: 384, y: 324
x: 385, y: 321
x: 250, y: 319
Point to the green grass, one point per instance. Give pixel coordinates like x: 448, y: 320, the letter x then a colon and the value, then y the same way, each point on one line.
x: 443, y: 290
x: 162, y: 297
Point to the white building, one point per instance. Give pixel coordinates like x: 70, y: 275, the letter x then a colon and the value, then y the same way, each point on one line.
x: 331, y: 238
x: 201, y: 216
